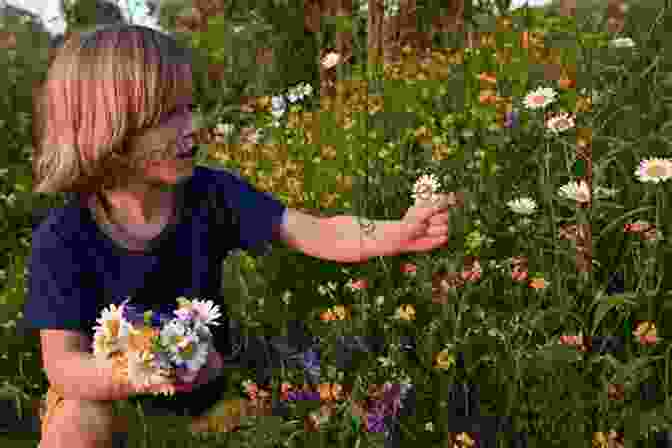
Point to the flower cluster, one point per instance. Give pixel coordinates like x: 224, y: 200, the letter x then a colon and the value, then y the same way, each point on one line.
x: 156, y: 348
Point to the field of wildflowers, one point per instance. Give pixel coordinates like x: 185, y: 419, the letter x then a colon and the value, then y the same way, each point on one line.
x: 543, y: 321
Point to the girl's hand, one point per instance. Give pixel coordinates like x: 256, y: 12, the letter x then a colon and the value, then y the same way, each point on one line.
x: 211, y: 370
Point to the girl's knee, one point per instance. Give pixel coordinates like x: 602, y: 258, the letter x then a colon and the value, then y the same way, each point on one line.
x: 82, y: 423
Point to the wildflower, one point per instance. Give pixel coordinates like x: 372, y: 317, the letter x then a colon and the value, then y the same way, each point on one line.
x: 646, y: 333
x: 375, y: 422
x: 611, y: 440
x: 409, y: 268
x: 523, y: 206
x: 358, y: 285
x: 511, y: 119
x: 251, y: 389
x: 616, y: 391
x: 294, y: 95
x: 204, y: 312
x: 472, y: 271
x: 538, y: 283
x: 330, y: 392
x: 341, y: 312
x: 327, y: 316
x: 539, y: 98
x: 637, y: 227
x: 489, y: 78
x: 425, y: 189
x: 444, y: 360
x: 576, y: 341
x: 519, y: 276
x: 331, y: 59
x: 487, y: 96
x: 380, y: 300
x: 577, y: 191
x: 405, y: 312
x: 429, y: 426
x: 654, y: 170
x: 622, y: 42
x: 306, y: 89
x: 465, y: 440
x: 560, y: 123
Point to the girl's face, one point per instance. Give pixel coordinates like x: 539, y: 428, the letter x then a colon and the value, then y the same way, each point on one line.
x: 179, y: 161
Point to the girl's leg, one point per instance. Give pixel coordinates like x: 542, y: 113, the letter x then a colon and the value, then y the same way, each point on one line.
x: 79, y: 424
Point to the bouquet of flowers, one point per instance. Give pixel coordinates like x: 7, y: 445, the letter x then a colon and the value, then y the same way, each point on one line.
x: 156, y: 349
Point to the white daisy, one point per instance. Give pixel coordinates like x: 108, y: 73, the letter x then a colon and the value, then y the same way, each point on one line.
x: 307, y: 89
x: 576, y: 191
x: 622, y: 42
x: 523, y: 206
x: 111, y: 332
x: 204, y: 312
x: 539, y: 98
x: 190, y: 353
x: 425, y: 188
x: 278, y: 103
x: 560, y: 123
x: 293, y: 95
x: 654, y: 170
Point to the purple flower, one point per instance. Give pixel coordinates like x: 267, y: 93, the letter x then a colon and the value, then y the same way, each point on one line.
x: 303, y: 395
x: 311, y: 359
x: 375, y: 422
x: 511, y: 119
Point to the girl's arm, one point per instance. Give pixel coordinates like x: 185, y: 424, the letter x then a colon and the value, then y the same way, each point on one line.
x: 75, y: 373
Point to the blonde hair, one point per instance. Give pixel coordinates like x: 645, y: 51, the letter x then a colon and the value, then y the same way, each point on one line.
x: 105, y: 93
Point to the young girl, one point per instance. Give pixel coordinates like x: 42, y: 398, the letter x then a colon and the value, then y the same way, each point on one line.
x: 113, y: 125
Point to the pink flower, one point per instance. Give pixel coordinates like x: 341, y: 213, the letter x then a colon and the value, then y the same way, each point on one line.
x: 359, y: 284
x: 519, y: 276
x: 409, y: 268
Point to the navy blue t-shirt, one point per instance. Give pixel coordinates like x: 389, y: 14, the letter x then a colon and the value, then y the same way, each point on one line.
x: 76, y: 270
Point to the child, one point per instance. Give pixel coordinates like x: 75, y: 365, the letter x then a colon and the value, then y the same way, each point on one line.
x: 113, y: 124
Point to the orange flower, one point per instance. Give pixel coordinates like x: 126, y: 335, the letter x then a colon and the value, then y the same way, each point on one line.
x: 327, y: 316
x: 330, y: 392
x: 566, y: 83
x: 538, y: 283
x: 285, y: 388
x: 488, y: 78
x: 646, y: 332
x: 487, y: 97
x: 525, y: 39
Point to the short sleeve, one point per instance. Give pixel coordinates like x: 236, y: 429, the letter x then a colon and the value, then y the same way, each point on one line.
x: 259, y: 214
x: 56, y: 296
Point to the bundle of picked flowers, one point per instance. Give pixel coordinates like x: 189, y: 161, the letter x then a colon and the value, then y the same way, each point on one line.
x: 152, y: 348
